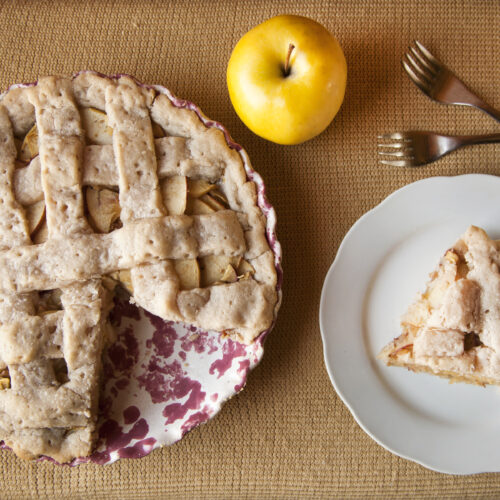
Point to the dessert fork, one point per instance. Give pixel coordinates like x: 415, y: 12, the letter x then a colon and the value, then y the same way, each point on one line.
x: 415, y: 148
x: 439, y: 83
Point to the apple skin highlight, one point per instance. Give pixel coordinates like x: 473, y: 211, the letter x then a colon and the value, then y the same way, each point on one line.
x: 287, y: 108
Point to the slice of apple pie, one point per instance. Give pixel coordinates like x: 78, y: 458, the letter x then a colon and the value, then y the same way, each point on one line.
x: 105, y: 182
x: 453, y: 328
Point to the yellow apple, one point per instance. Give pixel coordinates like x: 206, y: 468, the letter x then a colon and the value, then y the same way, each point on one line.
x: 286, y: 79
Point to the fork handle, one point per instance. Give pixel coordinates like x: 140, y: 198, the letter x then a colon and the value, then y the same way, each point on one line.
x: 466, y: 97
x: 494, y: 113
x: 463, y: 140
x: 449, y: 143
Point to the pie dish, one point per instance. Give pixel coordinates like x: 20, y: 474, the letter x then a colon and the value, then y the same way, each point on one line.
x: 453, y: 329
x: 106, y: 183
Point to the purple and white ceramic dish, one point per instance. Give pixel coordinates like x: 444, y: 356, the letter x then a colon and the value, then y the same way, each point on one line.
x: 162, y: 379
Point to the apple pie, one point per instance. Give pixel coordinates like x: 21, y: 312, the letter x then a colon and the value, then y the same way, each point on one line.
x: 106, y: 182
x: 453, y: 329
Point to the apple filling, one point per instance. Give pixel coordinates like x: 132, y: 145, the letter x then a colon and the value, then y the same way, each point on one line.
x: 4, y: 379
x: 49, y: 301
x: 60, y: 370
x: 180, y: 194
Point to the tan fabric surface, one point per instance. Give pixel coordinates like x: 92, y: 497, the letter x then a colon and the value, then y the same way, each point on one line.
x: 287, y: 435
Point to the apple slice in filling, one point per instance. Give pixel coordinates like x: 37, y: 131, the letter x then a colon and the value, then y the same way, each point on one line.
x: 199, y: 187
x: 188, y: 272
x: 29, y: 146
x: 95, y: 124
x: 214, y: 268
x: 174, y: 193
x: 104, y: 208
x: 35, y: 215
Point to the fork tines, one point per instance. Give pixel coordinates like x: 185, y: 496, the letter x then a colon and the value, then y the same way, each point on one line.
x: 422, y: 67
x: 400, y: 147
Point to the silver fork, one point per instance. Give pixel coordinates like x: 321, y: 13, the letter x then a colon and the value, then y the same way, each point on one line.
x: 439, y: 83
x: 415, y: 148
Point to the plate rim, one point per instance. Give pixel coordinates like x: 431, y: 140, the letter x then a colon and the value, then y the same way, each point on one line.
x: 324, y: 336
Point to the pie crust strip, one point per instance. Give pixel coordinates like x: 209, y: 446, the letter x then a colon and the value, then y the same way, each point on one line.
x: 175, y: 156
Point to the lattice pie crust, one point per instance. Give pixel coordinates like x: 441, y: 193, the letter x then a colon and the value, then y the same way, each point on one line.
x: 89, y: 197
x: 453, y: 329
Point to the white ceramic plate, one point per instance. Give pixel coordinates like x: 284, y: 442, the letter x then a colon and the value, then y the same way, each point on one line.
x: 385, y: 258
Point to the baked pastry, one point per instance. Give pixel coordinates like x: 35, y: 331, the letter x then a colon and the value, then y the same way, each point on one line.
x: 453, y: 328
x: 105, y: 181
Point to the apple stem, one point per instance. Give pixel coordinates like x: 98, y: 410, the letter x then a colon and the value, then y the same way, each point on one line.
x: 287, y: 60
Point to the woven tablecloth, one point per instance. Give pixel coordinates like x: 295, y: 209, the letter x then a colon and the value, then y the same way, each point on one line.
x: 287, y: 435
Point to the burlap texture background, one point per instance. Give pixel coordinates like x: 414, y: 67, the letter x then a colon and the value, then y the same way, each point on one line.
x: 287, y: 435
